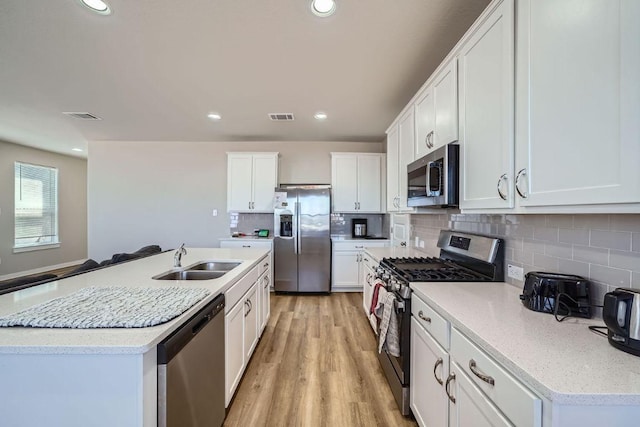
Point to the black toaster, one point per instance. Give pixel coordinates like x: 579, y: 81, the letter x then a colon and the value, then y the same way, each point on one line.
x: 560, y: 294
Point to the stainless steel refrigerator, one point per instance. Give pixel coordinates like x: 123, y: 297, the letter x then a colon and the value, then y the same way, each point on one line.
x: 302, y: 240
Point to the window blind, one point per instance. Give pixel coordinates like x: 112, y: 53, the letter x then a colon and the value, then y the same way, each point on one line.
x: 36, y: 205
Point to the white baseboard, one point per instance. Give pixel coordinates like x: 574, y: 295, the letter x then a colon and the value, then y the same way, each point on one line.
x: 41, y: 269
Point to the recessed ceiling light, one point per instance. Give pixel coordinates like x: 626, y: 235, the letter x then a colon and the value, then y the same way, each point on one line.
x: 97, y: 6
x: 320, y: 115
x: 214, y: 116
x: 79, y: 150
x: 323, y: 8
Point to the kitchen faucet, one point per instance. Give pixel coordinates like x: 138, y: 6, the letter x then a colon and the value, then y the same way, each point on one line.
x: 177, y: 257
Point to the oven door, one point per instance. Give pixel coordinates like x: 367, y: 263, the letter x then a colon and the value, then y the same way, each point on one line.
x: 401, y: 363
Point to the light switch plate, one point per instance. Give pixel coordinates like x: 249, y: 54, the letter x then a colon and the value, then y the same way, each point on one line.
x: 515, y: 272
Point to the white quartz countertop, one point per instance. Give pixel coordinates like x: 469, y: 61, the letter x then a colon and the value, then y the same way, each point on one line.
x: 136, y: 273
x: 252, y: 238
x: 563, y: 361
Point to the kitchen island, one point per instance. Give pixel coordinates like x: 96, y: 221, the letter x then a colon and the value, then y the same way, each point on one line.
x: 97, y: 376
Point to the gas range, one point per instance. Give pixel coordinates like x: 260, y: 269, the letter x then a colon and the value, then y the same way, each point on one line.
x: 463, y: 258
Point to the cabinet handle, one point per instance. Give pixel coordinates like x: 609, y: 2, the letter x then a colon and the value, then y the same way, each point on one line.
x: 403, y: 244
x: 430, y: 139
x: 266, y: 265
x: 522, y: 172
x: 246, y: 246
x: 486, y: 378
x: 435, y: 367
x: 500, y: 193
x: 421, y: 315
x: 452, y: 376
x: 246, y: 304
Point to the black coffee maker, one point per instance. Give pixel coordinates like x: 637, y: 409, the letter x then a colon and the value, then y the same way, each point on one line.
x: 359, y: 227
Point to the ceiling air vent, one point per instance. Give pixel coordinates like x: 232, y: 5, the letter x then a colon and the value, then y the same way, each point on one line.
x: 281, y: 117
x: 83, y: 115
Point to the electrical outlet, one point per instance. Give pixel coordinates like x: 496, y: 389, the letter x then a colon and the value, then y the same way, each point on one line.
x: 417, y: 242
x: 422, y: 243
x: 215, y: 212
x: 515, y: 272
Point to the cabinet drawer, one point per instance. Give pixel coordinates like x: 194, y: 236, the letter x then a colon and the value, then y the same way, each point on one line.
x: 435, y: 324
x: 264, y: 265
x: 358, y: 245
x: 518, y: 403
x: 235, y: 292
x: 245, y: 244
x: 370, y: 262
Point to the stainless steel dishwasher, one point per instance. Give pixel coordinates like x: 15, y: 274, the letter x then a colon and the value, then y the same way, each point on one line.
x: 191, y: 371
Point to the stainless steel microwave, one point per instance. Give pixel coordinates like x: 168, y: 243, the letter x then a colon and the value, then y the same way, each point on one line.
x: 432, y: 180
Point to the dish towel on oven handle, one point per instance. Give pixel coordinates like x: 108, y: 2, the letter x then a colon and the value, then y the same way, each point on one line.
x: 378, y: 285
x: 389, y: 333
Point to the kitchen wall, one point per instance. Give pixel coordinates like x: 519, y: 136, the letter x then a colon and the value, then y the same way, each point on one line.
x: 164, y: 192
x: 603, y: 248
x: 72, y: 210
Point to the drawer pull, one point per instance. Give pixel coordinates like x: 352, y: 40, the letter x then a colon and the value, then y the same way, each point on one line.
x: 426, y: 319
x: 477, y: 373
x: 452, y: 376
x: 435, y: 367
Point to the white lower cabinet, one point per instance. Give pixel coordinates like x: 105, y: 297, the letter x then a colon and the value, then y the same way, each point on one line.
x: 251, y: 325
x: 428, y: 399
x: 347, y: 271
x: 459, y: 384
x: 469, y: 406
x: 246, y: 314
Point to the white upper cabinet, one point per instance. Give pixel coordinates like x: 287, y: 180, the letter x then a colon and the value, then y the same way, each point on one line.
x: 400, y: 144
x: 436, y: 108
x: 357, y: 181
x: 251, y: 181
x: 486, y: 79
x: 578, y: 102
x: 393, y: 167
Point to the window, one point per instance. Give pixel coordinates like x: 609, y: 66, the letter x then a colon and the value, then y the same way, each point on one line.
x: 36, y: 206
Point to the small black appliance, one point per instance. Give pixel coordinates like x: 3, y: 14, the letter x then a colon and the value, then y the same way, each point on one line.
x: 559, y: 294
x: 358, y: 227
x: 621, y: 314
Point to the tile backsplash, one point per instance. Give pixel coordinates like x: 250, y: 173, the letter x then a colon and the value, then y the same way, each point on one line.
x: 341, y: 224
x: 603, y: 248
x: 247, y: 222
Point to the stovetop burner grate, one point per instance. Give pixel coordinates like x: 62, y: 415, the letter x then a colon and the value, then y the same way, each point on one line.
x: 430, y: 269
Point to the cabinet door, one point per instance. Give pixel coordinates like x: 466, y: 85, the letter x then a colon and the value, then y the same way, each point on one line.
x: 265, y: 301
x: 367, y: 287
x: 472, y: 407
x: 345, y: 269
x: 429, y: 365
x: 425, y: 121
x: 400, y: 229
x: 370, y: 183
x: 251, y: 321
x: 405, y: 155
x: 486, y: 62
x: 393, y: 168
x: 445, y: 101
x: 234, y: 348
x: 265, y: 180
x: 239, y: 182
x: 344, y: 183
x: 578, y: 100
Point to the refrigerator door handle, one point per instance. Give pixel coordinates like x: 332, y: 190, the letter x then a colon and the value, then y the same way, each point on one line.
x: 298, y: 242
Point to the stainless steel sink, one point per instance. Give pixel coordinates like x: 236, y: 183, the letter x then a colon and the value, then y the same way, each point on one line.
x: 201, y: 270
x: 189, y: 275
x: 214, y: 265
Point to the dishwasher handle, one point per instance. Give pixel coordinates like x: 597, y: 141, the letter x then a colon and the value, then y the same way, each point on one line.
x: 172, y: 345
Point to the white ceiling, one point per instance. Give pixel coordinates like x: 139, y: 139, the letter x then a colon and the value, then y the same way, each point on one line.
x: 154, y: 68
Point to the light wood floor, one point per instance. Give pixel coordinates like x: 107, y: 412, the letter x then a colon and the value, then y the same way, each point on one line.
x: 315, y: 365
